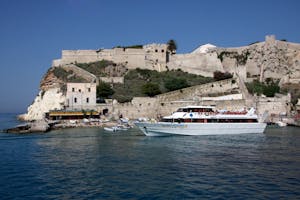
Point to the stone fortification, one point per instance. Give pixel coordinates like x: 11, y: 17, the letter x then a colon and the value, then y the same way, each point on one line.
x: 196, y: 92
x: 196, y: 63
x: 164, y: 104
x: 269, y: 59
x: 151, y: 56
x: 275, y: 106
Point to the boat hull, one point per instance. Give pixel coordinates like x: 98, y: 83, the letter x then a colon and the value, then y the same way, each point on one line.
x: 167, y: 129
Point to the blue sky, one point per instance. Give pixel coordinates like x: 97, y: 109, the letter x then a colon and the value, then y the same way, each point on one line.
x: 33, y: 32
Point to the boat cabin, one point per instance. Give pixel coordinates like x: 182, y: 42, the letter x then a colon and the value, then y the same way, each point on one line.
x: 207, y: 114
x: 198, y: 109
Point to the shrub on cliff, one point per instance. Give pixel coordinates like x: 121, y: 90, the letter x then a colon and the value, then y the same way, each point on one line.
x: 104, y: 90
x: 134, y: 79
x: 173, y: 83
x: 151, y: 89
x: 96, y: 68
x: 218, y: 75
x: 269, y: 88
x: 67, y: 76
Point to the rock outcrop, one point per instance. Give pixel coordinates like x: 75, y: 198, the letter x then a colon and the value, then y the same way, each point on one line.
x: 270, y: 59
x: 52, y: 95
x: 50, y: 99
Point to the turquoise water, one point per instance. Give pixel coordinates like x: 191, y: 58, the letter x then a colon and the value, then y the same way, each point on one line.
x: 89, y: 163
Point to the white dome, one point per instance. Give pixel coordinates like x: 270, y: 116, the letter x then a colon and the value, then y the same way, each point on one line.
x: 203, y: 48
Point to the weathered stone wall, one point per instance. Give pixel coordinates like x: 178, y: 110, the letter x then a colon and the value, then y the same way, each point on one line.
x: 138, y: 107
x: 151, y: 56
x: 132, y: 57
x: 274, y: 106
x: 195, y: 92
x: 164, y: 104
x: 152, y: 108
x: 201, y: 64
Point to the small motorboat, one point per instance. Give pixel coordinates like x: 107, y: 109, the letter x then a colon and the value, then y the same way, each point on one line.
x: 117, y: 128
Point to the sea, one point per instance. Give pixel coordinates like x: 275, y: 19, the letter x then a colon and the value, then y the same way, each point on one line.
x: 89, y: 163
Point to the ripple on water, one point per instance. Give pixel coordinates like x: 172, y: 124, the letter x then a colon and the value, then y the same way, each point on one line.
x: 93, y: 164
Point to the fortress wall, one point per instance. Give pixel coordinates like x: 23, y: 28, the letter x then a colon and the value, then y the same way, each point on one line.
x: 138, y: 107
x: 133, y: 57
x: 152, y: 108
x: 274, y: 105
x: 197, y: 91
x: 201, y: 64
x: 85, y: 56
x: 152, y: 54
x: 80, y: 56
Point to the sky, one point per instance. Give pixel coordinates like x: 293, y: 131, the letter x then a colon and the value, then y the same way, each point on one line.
x: 34, y: 32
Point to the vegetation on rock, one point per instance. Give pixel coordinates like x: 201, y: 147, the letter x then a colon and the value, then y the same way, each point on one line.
x: 240, y: 58
x: 173, y: 83
x: 67, y: 76
x: 135, y: 79
x: 104, y: 90
x: 218, y: 76
x: 151, y: 89
x: 103, y: 68
x: 269, y: 88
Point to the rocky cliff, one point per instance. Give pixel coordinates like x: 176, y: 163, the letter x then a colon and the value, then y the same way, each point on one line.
x: 52, y: 95
x: 270, y: 59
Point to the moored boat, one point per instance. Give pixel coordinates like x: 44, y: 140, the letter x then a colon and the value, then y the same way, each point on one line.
x: 117, y: 128
x: 204, y: 120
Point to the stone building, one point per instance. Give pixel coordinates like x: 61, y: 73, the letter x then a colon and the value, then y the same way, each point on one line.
x: 81, y: 96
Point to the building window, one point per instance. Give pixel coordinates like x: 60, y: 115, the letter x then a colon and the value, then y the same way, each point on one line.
x: 73, y: 89
x: 89, y: 89
x: 75, y: 100
x: 79, y: 90
x: 87, y: 100
x: 156, y: 50
x: 162, y: 50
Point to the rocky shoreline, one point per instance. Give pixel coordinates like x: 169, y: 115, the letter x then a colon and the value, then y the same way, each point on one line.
x: 43, y: 126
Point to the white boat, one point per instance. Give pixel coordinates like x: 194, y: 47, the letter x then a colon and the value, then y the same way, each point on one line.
x: 203, y: 120
x: 281, y: 123
x: 116, y: 128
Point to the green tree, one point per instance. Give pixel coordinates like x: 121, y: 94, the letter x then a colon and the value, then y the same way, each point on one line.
x: 172, y: 46
x: 104, y: 90
x: 269, y: 89
x: 151, y: 89
x: 218, y: 75
x: 175, y: 83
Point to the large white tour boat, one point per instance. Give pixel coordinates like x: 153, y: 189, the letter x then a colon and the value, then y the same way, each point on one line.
x: 203, y: 120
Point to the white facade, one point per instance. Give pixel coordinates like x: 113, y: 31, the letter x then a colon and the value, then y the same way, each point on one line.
x: 81, y: 96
